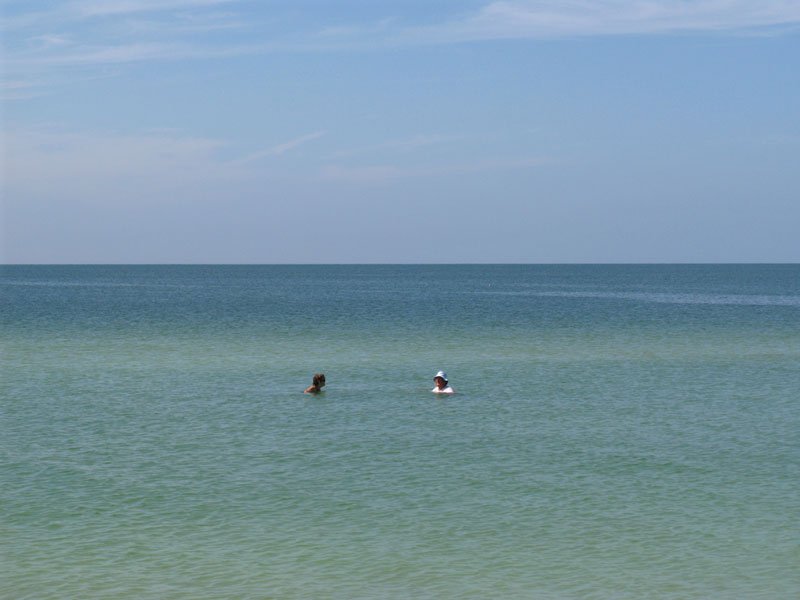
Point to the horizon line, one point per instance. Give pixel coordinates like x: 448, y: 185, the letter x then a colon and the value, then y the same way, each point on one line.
x: 398, y: 264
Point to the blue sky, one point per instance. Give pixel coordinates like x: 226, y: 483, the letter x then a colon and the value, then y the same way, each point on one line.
x: 357, y: 131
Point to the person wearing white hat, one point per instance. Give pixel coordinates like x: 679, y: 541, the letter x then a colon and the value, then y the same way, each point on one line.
x: 442, y: 387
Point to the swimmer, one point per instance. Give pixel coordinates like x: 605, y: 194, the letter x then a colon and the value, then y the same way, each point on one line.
x: 441, y: 384
x: 319, y: 383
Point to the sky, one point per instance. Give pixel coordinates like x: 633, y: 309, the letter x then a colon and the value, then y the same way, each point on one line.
x: 400, y: 131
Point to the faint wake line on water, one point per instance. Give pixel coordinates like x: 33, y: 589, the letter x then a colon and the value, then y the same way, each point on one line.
x: 717, y: 299
x: 95, y: 284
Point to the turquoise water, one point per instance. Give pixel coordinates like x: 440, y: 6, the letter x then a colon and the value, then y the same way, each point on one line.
x: 617, y: 432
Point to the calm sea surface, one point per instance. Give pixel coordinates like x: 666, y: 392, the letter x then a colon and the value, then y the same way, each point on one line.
x: 617, y: 432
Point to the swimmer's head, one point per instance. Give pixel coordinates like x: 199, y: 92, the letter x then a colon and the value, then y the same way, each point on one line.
x: 319, y: 379
x: 440, y: 375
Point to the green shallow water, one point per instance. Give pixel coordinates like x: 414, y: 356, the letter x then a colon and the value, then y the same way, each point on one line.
x: 617, y: 432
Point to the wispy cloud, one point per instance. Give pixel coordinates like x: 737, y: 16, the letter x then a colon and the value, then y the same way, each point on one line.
x: 86, y: 33
x: 279, y: 148
x: 80, y: 159
x: 103, y: 165
x: 50, y: 41
x: 506, y: 19
x: 128, y: 53
x: 95, y: 8
x: 400, y: 145
x: 379, y: 28
x: 185, y: 24
x: 18, y: 89
x: 77, y: 12
x: 24, y: 86
x: 97, y: 33
x: 382, y: 174
x: 543, y: 19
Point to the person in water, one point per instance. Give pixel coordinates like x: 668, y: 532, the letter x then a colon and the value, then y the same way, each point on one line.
x: 442, y: 386
x: 319, y: 383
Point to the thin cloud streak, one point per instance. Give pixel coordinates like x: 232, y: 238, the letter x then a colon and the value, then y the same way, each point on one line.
x: 27, y: 86
x: 404, y: 145
x: 161, y: 34
x: 518, y: 19
x: 129, y: 53
x: 65, y: 155
x: 279, y: 149
x: 101, y: 165
x: 381, y: 174
x: 80, y: 11
x: 12, y: 89
x: 186, y: 25
x: 94, y: 32
x: 106, y: 168
x: 101, y: 8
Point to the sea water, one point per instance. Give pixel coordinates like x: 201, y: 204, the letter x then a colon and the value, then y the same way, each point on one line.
x: 616, y: 432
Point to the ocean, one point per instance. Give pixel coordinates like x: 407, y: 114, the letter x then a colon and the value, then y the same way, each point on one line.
x: 617, y: 431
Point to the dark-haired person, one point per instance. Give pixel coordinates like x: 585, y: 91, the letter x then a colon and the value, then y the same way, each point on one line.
x: 319, y: 383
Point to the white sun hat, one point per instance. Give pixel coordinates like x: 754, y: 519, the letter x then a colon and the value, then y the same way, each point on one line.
x: 441, y: 374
